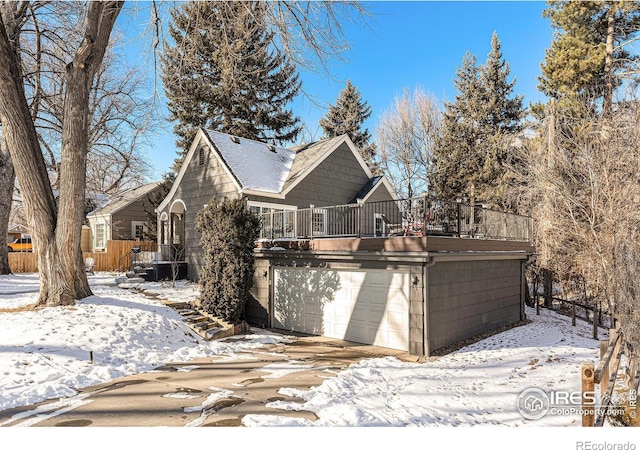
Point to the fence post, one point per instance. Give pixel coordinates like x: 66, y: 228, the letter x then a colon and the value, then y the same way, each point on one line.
x: 636, y: 396
x: 604, y: 383
x: 458, y: 215
x: 573, y: 312
x: 360, y: 204
x: 588, y: 384
x: 537, y: 297
x: 595, y: 321
x: 272, y: 235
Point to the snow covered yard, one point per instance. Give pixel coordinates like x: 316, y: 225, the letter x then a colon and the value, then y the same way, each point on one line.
x: 477, y: 385
x: 46, y: 354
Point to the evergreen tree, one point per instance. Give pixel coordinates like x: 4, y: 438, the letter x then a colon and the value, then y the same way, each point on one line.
x: 229, y: 232
x: 223, y: 73
x: 477, y: 130
x: 347, y: 117
x: 589, y: 48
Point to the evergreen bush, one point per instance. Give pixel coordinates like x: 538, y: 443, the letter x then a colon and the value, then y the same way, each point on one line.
x: 229, y: 232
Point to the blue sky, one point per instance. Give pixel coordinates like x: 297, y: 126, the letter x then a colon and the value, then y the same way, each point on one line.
x: 415, y: 43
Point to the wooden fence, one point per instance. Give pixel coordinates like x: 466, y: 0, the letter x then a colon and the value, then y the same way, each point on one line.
x: 572, y: 309
x: 605, y: 376
x: 115, y: 258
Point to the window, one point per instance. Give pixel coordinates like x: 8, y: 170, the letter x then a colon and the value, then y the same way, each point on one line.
x: 264, y: 208
x: 278, y: 221
x: 138, y: 230
x: 318, y: 221
x: 163, y: 232
x: 378, y: 225
x: 99, y: 237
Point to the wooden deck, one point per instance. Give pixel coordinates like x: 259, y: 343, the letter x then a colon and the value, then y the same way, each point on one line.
x: 402, y: 244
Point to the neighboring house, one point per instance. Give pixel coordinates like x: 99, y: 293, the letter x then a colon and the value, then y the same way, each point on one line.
x: 16, y: 231
x: 123, y: 216
x: 325, y: 173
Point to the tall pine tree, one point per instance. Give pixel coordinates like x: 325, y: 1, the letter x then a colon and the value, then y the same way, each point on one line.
x: 589, y: 53
x: 222, y: 72
x: 347, y: 116
x: 477, y: 131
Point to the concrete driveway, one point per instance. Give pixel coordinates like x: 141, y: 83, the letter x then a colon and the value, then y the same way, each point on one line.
x: 205, y: 392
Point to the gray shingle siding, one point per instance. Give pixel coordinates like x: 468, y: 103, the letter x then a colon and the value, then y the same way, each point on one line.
x: 334, y: 182
x: 468, y: 298
x: 198, y: 185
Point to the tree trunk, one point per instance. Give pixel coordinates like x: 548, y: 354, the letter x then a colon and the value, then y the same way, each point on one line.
x: 55, y: 232
x: 7, y: 180
x: 547, y: 286
x: 607, y: 103
x: 20, y: 136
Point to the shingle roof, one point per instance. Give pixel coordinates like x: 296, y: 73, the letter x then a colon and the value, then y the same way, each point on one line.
x: 255, y: 165
x: 119, y: 201
x: 306, y: 157
x: 368, y: 187
x: 261, y: 168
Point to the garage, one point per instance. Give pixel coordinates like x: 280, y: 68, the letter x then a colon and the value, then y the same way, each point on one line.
x: 368, y: 307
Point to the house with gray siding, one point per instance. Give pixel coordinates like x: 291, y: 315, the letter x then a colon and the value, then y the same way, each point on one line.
x: 271, y: 178
x: 341, y: 256
x: 123, y: 216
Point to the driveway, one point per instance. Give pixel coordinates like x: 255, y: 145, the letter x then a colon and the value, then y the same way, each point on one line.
x: 216, y: 391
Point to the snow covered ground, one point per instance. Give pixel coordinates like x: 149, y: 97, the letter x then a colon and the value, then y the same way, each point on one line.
x: 46, y: 354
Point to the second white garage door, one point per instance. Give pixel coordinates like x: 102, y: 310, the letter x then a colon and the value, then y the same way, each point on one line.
x: 369, y: 307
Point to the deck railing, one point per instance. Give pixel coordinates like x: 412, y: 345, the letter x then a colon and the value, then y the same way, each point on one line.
x: 419, y: 216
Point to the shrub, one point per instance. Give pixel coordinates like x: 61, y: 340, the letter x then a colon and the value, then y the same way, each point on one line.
x: 229, y: 232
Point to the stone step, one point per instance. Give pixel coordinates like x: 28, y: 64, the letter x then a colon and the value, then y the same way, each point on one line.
x: 178, y: 306
x: 196, y: 319
x: 206, y: 326
x: 129, y: 280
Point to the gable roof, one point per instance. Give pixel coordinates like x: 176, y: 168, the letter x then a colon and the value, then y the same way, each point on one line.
x: 262, y: 169
x: 371, y: 186
x: 367, y: 189
x: 17, y: 228
x: 255, y: 165
x: 124, y: 199
x: 307, y: 157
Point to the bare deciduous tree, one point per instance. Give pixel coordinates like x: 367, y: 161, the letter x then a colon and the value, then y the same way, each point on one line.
x: 55, y: 226
x: 120, y: 115
x: 406, y: 138
x: 583, y: 190
x: 7, y: 179
x: 312, y: 34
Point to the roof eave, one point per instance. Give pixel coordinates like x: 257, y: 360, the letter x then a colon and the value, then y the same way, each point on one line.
x: 200, y: 135
x: 262, y: 193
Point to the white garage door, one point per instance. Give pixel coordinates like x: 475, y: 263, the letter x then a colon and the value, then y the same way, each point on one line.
x: 369, y: 307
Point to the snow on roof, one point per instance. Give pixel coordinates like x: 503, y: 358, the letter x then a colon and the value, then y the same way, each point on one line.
x: 256, y: 165
x: 125, y: 198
